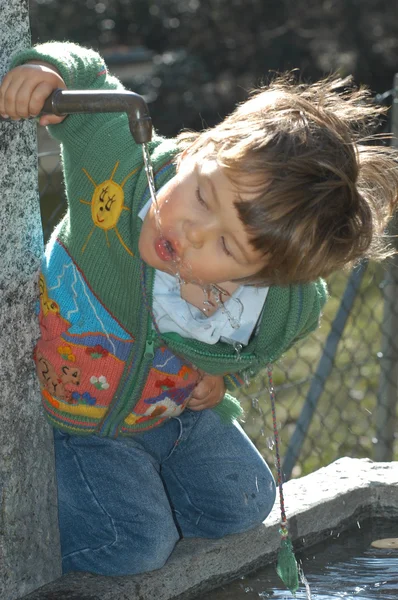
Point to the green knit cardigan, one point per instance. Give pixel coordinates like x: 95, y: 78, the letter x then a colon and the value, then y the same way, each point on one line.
x: 290, y: 313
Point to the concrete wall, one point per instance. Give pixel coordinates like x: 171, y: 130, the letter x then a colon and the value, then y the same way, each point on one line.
x: 29, y: 543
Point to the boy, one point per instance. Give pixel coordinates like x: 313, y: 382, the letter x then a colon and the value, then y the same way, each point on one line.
x: 143, y: 328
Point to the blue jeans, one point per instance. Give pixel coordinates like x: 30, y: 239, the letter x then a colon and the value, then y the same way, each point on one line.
x: 124, y: 503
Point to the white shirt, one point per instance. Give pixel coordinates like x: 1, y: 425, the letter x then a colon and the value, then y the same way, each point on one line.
x: 174, y: 314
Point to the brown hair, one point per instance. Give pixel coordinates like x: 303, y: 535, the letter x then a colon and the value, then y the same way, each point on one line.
x: 323, y: 193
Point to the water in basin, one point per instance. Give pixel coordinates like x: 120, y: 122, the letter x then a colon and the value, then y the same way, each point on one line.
x: 344, y: 566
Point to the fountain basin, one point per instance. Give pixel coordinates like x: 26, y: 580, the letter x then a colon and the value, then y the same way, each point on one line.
x: 330, y: 499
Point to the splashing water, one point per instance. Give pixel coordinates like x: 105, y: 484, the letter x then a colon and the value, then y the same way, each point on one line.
x: 152, y: 190
x: 256, y: 405
x: 238, y: 349
x: 209, y: 307
x: 218, y: 293
x: 207, y: 303
x: 304, y: 581
x: 151, y: 183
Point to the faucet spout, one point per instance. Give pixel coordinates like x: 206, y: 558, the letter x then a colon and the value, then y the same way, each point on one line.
x: 65, y: 102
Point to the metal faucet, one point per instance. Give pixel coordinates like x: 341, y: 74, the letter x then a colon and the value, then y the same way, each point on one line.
x: 65, y: 102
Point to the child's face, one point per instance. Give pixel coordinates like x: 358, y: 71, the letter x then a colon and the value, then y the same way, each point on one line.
x: 202, y: 237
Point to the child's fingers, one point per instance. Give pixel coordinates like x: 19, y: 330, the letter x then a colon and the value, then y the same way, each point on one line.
x: 209, y: 402
x: 207, y: 393
x: 203, y: 389
x: 22, y: 101
x: 51, y: 120
x: 38, y: 96
x: 16, y: 95
x: 3, y: 87
x: 37, y: 99
x: 7, y: 96
x: 25, y: 89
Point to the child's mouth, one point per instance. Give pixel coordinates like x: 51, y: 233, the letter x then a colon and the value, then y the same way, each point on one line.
x: 164, y: 249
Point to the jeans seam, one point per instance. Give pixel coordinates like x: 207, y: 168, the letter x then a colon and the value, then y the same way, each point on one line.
x: 200, y: 511
x: 75, y: 453
x: 176, y: 443
x: 180, y: 435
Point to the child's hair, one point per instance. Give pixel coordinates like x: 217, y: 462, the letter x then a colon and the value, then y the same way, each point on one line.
x: 322, y: 192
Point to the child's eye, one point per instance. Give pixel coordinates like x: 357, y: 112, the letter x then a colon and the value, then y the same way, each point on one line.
x: 200, y: 199
x: 224, y: 246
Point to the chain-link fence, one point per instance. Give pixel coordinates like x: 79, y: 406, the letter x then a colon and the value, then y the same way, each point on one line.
x: 337, y: 390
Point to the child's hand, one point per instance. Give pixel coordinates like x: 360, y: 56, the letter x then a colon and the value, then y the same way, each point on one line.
x: 208, y: 392
x: 25, y: 88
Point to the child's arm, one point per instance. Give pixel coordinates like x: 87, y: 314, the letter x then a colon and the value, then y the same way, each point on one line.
x: 79, y: 68
x: 24, y: 90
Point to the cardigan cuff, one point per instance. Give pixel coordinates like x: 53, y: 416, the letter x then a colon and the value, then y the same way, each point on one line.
x: 79, y: 67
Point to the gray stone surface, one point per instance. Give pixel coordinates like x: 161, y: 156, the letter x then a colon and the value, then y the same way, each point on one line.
x: 29, y: 544
x: 330, y: 499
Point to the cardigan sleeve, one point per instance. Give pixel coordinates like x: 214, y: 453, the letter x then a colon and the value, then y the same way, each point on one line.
x: 81, y: 68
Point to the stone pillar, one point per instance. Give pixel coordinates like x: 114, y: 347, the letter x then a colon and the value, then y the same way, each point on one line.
x: 29, y: 542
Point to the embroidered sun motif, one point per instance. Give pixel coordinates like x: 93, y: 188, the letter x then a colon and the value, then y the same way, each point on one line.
x: 107, y: 204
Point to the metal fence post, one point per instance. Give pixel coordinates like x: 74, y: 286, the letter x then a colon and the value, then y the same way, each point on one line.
x: 323, y: 370
x: 388, y: 385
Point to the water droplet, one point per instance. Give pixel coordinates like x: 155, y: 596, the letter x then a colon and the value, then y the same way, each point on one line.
x: 246, y: 378
x: 238, y: 349
x: 255, y: 403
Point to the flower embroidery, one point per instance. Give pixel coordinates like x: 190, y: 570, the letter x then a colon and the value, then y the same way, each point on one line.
x: 165, y: 384
x: 184, y: 372
x: 66, y: 353
x: 99, y: 382
x: 85, y: 398
x: 97, y: 351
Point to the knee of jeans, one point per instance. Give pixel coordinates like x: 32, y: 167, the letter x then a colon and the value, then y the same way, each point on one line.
x: 154, y: 553
x: 122, y: 557
x: 266, y: 500
x: 257, y: 506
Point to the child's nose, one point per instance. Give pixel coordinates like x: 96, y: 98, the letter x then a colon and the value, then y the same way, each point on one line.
x: 195, y: 234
